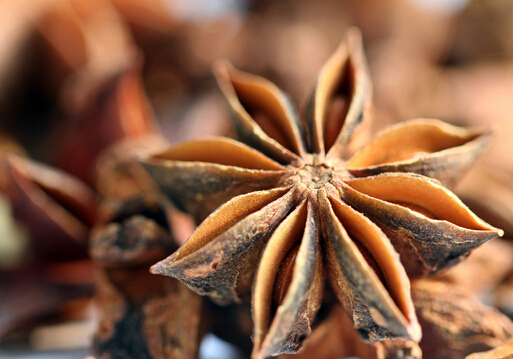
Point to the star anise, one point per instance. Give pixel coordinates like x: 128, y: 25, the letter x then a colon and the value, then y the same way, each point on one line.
x: 133, y: 323
x: 454, y: 324
x: 58, y: 209
x: 304, y: 201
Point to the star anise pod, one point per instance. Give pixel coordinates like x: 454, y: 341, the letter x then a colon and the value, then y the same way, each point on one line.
x: 142, y: 315
x: 302, y: 201
x: 58, y: 209
x: 454, y: 324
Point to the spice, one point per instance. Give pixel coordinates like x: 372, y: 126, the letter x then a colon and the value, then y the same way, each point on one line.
x: 142, y: 315
x: 454, y: 322
x: 56, y: 207
x: 351, y: 211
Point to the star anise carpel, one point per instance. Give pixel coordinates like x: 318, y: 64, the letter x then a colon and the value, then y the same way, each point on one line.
x: 296, y: 206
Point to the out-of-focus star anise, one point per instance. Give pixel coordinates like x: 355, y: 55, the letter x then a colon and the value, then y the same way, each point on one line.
x: 302, y: 201
x: 143, y: 316
x: 58, y: 209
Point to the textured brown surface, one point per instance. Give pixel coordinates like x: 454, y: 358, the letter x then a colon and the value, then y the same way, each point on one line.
x: 350, y: 206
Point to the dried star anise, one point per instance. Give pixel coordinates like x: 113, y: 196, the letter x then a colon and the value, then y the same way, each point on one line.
x: 304, y: 201
x: 57, y: 208
x: 454, y: 324
x: 143, y: 316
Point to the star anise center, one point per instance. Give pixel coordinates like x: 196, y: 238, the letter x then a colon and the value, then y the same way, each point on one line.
x: 315, y: 176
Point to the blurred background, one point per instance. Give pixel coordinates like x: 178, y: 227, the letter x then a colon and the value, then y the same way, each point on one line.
x: 80, y: 76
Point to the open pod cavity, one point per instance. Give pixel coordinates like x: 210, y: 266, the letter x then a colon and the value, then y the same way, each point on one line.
x: 263, y: 115
x: 366, y: 274
x: 403, y: 206
x: 288, y: 286
x: 424, y: 146
x: 221, y: 256
x: 338, y: 113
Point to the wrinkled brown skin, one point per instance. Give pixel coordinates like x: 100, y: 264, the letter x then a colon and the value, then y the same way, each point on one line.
x: 143, y: 315
x: 364, y: 215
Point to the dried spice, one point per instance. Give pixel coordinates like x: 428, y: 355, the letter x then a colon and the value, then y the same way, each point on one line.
x: 118, y: 175
x: 335, y: 338
x: 52, y: 274
x: 301, y: 201
x: 489, y: 24
x: 57, y: 208
x: 143, y: 316
x: 454, y: 322
x: 485, y: 269
x: 117, y: 110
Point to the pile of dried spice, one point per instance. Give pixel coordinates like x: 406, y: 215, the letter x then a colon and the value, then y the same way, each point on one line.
x: 330, y: 232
